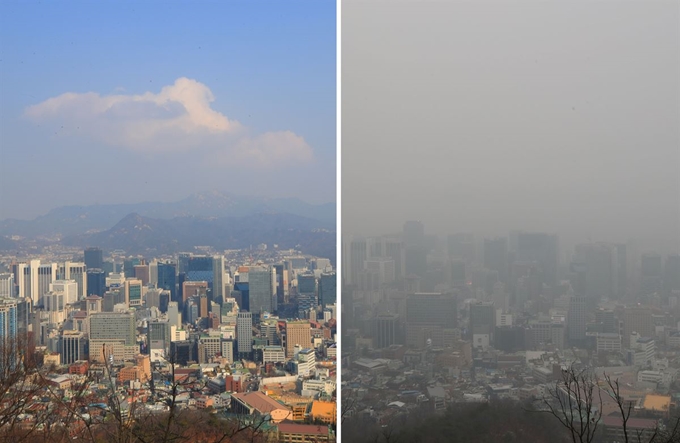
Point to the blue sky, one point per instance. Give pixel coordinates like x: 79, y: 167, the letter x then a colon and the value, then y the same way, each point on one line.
x: 120, y: 102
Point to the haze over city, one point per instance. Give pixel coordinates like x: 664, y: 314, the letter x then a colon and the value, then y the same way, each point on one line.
x: 486, y: 117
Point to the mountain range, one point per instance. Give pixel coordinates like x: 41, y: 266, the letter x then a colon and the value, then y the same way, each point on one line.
x: 223, y: 221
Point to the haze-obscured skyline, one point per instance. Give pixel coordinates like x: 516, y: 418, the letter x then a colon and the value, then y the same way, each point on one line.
x: 125, y: 102
x: 488, y: 117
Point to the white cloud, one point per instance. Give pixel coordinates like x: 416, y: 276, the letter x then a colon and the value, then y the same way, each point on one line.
x: 272, y: 148
x: 179, y: 117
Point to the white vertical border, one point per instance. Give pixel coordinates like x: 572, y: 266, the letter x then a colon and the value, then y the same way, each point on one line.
x: 338, y: 212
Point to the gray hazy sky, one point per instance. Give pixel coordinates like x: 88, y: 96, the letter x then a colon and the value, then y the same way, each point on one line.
x: 491, y: 116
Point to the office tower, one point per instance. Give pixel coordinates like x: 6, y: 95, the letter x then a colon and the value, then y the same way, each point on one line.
x: 153, y: 273
x: 8, y: 320
x: 94, y: 258
x: 327, y: 289
x: 306, y: 283
x: 76, y: 272
x: 182, y: 352
x: 244, y: 333
x: 671, y: 274
x: 112, y: 336
x: 539, y: 248
x: 576, y: 320
x: 241, y: 293
x: 7, y: 285
x: 637, y: 320
x: 96, y: 282
x: 383, y: 267
x: 200, y: 268
x: 193, y: 289
x: 73, y: 347
x: 142, y: 274
x: 601, y: 268
x: 167, y: 279
x: 203, y: 306
x: 228, y: 350
x: 483, y: 319
x: 651, y: 273
x: 496, y: 256
x: 219, y: 278
x: 129, y: 266
x: 174, y: 316
x: 354, y: 254
x: 606, y: 321
x: 9, y: 333
x: 134, y: 292
x: 53, y: 301
x: 427, y: 316
x: 262, y: 286
x: 158, y: 336
x: 461, y: 246
x: 298, y: 333
x: 67, y: 287
x: 385, y: 333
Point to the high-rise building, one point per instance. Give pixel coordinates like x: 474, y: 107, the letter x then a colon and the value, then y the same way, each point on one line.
x: 167, y: 279
x: 142, y: 274
x: 76, y: 272
x: 174, y: 316
x: 67, y: 287
x: 637, y: 320
x: 7, y: 285
x: 298, y: 333
x: 134, y: 292
x: 73, y: 347
x: 354, y: 253
x: 576, y: 319
x: 428, y: 315
x: 244, y: 333
x: 385, y: 333
x: 158, y: 336
x: 94, y: 258
x: 219, y: 278
x: 327, y: 289
x: 262, y: 286
x: 129, y: 266
x: 112, y: 336
x: 96, y: 282
x: 483, y: 319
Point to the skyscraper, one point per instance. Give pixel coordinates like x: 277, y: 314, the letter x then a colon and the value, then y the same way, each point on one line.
x: 262, y: 286
x: 96, y: 282
x: 327, y: 289
x: 7, y: 285
x: 94, y: 258
x: 219, y: 278
x: 244, y: 333
x: 297, y: 333
x: 167, y: 279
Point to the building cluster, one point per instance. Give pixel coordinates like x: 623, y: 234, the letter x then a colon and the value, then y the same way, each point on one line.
x: 245, y: 331
x: 429, y: 323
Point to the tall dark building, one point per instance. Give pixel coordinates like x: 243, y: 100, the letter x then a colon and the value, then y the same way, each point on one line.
x: 461, y: 246
x: 327, y: 289
x: 129, y: 266
x: 167, y: 279
x: 94, y: 258
x: 243, y: 288
x: 385, y: 332
x: 96, y: 282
